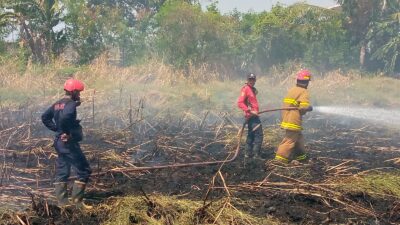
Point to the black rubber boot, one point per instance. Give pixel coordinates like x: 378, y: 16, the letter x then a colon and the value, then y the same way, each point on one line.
x: 248, y: 151
x: 248, y: 156
x: 257, y: 151
x: 61, y: 193
x: 78, y: 190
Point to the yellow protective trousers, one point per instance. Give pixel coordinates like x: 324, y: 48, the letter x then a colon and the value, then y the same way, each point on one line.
x: 291, y: 147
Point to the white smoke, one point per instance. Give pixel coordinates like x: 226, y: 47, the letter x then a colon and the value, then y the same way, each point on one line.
x: 377, y: 115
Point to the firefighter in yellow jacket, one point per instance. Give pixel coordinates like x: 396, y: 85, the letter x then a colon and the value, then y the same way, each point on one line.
x: 292, y: 146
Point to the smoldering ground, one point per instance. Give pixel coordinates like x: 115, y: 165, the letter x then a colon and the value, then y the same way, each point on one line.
x: 138, y: 124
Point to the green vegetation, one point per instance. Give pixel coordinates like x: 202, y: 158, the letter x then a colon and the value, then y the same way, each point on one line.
x: 363, y: 34
x: 375, y: 184
x: 170, y: 210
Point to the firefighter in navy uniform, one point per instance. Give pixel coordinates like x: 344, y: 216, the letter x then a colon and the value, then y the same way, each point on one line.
x: 61, y: 118
x: 248, y: 103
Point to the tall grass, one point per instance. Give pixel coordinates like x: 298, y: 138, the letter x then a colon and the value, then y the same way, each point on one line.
x: 197, y: 87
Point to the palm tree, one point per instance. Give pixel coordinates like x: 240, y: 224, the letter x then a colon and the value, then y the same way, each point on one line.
x: 374, y: 26
x: 35, y: 20
x: 384, y: 37
x: 358, y: 16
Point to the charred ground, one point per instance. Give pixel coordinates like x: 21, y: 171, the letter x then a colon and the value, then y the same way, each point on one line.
x: 351, y: 177
x: 149, y: 116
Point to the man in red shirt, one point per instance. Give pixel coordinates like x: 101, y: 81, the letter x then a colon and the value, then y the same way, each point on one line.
x: 248, y: 103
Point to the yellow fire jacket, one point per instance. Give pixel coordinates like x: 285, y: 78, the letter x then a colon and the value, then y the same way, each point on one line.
x: 296, y: 97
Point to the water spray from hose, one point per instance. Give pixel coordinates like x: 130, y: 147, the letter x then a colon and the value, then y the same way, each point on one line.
x: 376, y: 115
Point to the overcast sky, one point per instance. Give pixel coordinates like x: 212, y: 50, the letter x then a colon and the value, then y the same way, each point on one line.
x: 261, y: 5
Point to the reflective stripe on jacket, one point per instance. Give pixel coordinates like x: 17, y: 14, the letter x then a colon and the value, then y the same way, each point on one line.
x: 296, y: 97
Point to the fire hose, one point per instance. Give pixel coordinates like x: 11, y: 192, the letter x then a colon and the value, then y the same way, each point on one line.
x: 178, y: 165
x: 193, y: 164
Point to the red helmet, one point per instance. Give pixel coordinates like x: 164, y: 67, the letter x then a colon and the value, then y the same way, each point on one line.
x: 304, y: 75
x: 74, y: 85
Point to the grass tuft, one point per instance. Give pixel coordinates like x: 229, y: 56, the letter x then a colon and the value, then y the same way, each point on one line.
x: 170, y: 210
x: 375, y: 184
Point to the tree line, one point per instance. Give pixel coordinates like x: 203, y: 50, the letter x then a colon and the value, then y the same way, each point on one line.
x: 358, y: 34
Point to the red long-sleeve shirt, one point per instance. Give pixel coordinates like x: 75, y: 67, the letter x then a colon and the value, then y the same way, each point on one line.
x: 248, y: 100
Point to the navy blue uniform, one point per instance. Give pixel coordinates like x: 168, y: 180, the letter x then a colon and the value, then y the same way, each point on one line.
x: 61, y: 118
x: 255, y: 136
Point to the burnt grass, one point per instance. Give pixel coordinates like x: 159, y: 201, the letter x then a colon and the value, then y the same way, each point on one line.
x: 330, y: 141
